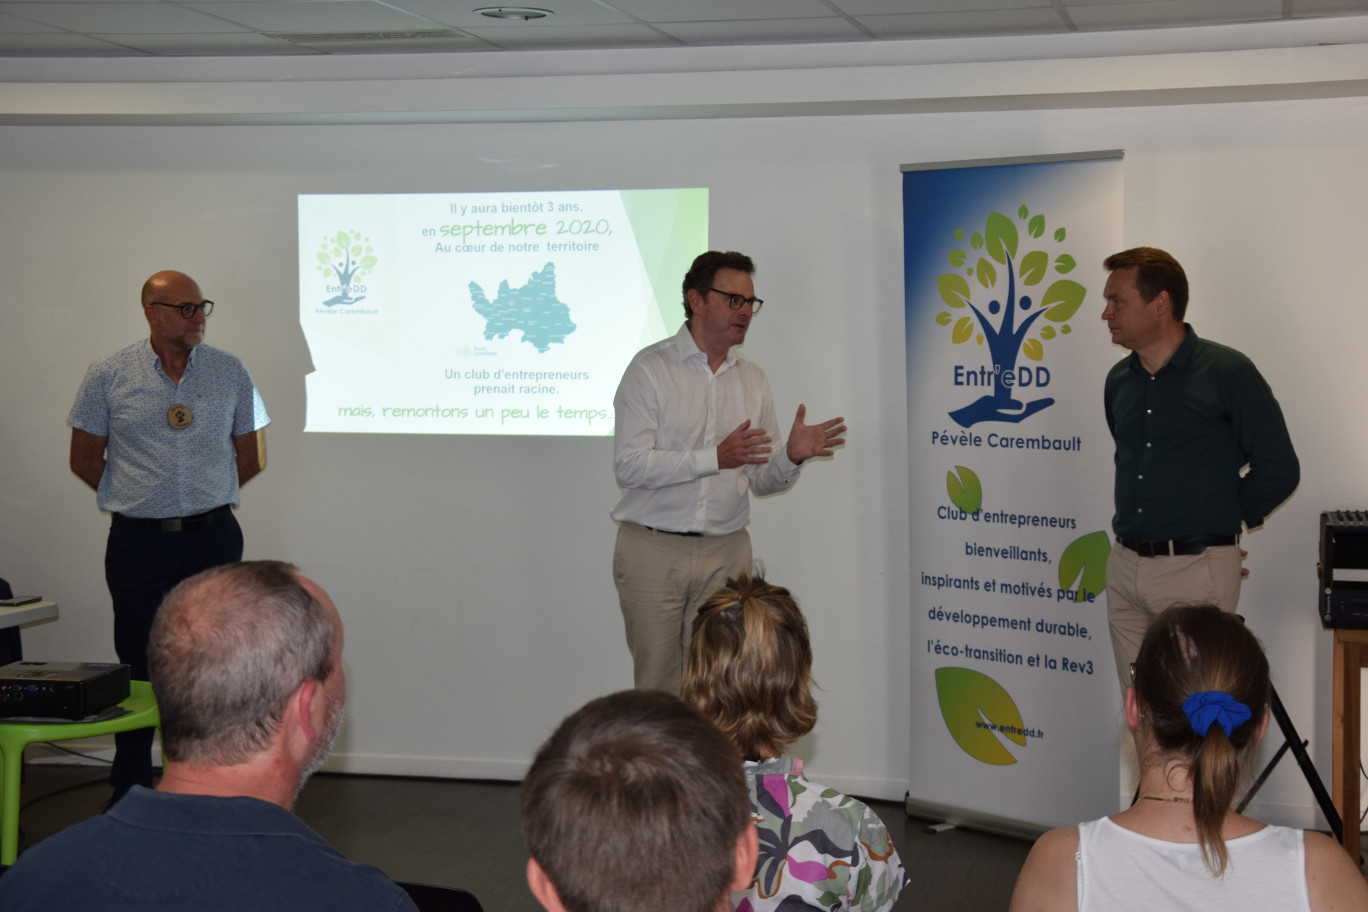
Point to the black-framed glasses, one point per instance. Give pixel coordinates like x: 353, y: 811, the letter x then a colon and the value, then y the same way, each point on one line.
x: 736, y: 301
x: 188, y: 309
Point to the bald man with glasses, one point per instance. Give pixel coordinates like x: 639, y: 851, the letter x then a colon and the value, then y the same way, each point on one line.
x: 695, y: 431
x: 166, y: 431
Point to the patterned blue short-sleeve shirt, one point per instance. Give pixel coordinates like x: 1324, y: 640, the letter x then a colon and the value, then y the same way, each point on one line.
x: 154, y: 469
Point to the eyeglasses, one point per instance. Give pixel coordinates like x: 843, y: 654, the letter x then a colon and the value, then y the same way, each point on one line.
x: 188, y: 309
x: 736, y: 301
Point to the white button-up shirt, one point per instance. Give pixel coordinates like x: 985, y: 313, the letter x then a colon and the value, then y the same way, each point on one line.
x: 671, y: 412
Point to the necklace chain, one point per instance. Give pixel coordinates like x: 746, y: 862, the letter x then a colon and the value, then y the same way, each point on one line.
x: 1176, y: 799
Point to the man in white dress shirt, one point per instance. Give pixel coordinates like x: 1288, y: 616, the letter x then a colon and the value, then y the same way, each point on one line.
x: 695, y: 431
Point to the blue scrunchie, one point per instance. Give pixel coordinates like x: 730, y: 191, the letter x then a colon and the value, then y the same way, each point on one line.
x: 1215, y: 706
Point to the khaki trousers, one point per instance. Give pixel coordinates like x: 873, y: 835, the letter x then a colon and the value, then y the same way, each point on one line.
x: 662, y: 580
x: 1139, y: 588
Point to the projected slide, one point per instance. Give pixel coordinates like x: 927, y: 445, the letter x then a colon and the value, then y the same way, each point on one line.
x: 487, y: 313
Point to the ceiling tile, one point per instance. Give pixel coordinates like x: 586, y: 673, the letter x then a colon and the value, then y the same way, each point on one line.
x: 892, y: 7
x: 231, y: 44
x: 1308, y: 8
x: 424, y: 44
x: 120, y: 18
x: 767, y: 32
x: 61, y: 44
x: 315, y: 16
x: 1121, y: 14
x: 940, y: 25
x: 13, y: 25
x: 709, y: 10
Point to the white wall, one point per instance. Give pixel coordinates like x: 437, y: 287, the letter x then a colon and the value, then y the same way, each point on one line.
x: 473, y: 573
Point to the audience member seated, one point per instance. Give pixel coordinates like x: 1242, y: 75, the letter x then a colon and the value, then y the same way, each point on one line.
x: 636, y: 804
x: 1197, y: 707
x: 749, y: 669
x: 246, y: 663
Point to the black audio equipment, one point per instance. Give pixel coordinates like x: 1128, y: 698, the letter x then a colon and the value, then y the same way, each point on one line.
x: 1343, y: 546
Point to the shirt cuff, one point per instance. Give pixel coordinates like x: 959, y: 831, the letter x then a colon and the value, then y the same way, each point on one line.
x: 787, y: 466
x: 705, y: 462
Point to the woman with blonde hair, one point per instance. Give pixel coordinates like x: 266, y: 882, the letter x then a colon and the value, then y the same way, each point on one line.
x: 1198, y: 707
x: 749, y: 669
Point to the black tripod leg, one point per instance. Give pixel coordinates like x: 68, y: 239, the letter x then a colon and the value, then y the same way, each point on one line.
x: 1313, y: 779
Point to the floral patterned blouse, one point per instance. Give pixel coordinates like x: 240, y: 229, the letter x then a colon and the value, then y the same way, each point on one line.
x: 819, y: 849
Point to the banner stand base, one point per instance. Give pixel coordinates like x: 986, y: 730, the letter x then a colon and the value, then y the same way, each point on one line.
x: 974, y: 820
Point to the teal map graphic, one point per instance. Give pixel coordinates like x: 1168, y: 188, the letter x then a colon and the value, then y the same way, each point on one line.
x: 533, y: 309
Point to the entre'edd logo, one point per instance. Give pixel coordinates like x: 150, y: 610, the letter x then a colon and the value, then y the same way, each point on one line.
x: 343, y: 260
x: 993, y: 268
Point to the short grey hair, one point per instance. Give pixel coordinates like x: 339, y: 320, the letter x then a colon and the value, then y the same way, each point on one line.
x: 227, y: 649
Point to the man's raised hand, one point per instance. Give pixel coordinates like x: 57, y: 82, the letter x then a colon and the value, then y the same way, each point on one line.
x: 743, y: 446
x: 808, y: 440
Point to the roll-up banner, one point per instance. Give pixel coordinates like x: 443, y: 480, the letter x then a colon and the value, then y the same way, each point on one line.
x: 1015, y: 705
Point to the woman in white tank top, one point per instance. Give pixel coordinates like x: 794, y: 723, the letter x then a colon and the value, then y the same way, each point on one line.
x: 1197, y: 708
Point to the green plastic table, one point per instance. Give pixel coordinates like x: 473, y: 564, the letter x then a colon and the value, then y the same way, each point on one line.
x: 15, y: 736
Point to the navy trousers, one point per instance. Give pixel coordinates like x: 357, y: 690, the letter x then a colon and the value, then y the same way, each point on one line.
x: 142, y: 564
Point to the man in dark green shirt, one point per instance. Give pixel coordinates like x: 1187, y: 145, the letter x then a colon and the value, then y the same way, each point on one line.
x: 1187, y: 415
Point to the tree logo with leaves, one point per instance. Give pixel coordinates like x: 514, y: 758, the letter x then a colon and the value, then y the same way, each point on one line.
x: 993, y: 267
x: 344, y: 259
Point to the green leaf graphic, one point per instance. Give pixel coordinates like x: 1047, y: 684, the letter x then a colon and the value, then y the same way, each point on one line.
x: 1033, y: 266
x: 987, y: 275
x: 944, y: 318
x: 1032, y: 349
x: 964, y: 328
x: 953, y: 288
x: 1063, y: 299
x: 1059, y: 235
x: 1064, y: 264
x: 1084, y: 562
x: 1036, y: 226
x: 966, y: 491
x: 970, y: 702
x: 957, y: 258
x: 1002, y: 237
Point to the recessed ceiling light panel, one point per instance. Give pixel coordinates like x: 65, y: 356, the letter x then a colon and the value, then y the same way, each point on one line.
x: 524, y: 13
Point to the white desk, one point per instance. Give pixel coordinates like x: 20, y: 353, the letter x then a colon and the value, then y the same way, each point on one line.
x: 27, y: 614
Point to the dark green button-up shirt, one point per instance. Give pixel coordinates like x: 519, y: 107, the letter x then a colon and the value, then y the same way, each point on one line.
x: 1182, y: 436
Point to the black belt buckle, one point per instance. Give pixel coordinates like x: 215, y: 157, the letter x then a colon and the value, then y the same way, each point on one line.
x: 1145, y: 548
x: 1155, y: 549
x: 1188, y: 547
x: 173, y: 524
